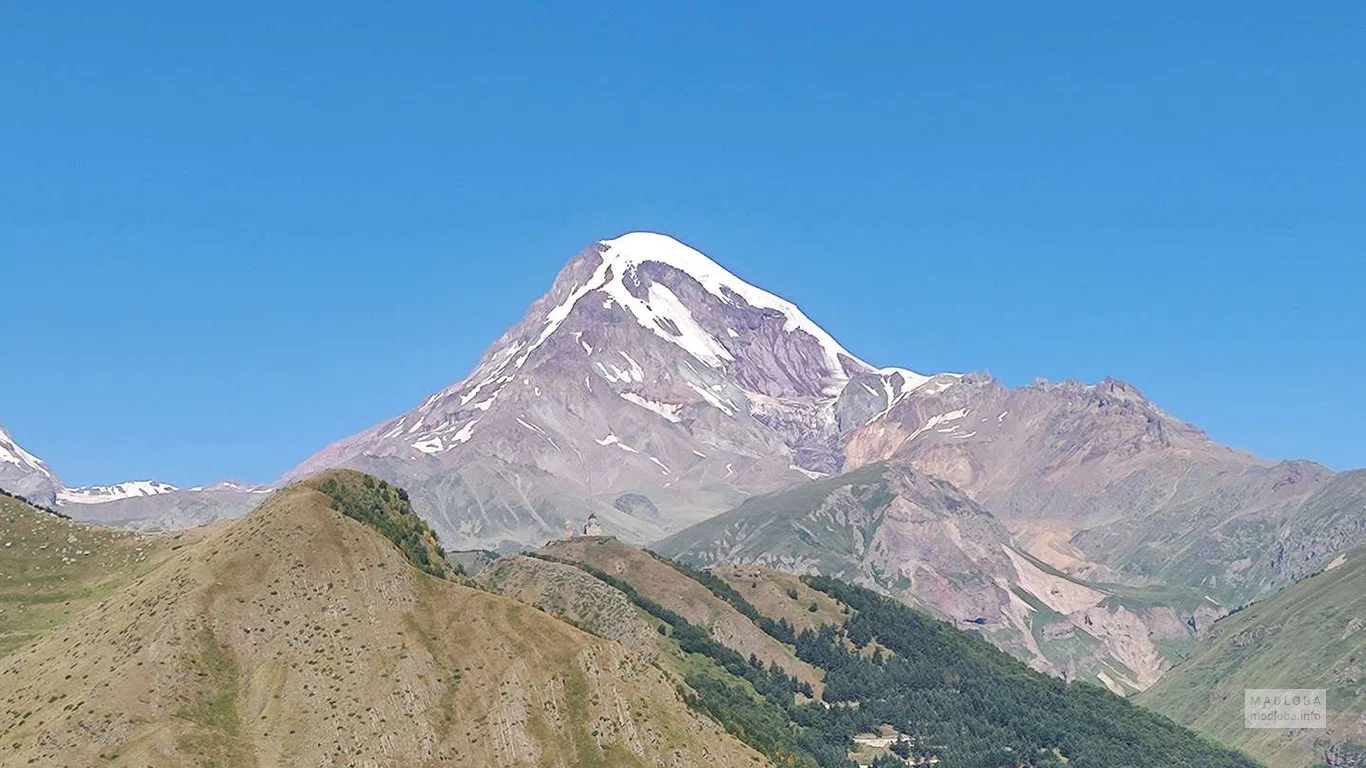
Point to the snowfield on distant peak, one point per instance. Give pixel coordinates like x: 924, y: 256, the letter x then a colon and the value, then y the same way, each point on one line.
x: 11, y: 453
x: 629, y: 251
x: 101, y: 494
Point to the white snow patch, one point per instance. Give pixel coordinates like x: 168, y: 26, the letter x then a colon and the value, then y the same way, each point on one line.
x: 669, y: 411
x: 700, y: 454
x: 229, y: 485
x: 609, y: 440
x: 902, y: 380
x: 661, y: 464
x: 934, y: 388
x: 466, y: 432
x: 473, y: 393
x: 432, y: 444
x: 716, y: 401
x: 809, y: 473
x: 897, y: 384
x: 662, y: 308
x: 630, y: 250
x: 1002, y: 417
x: 530, y: 426
x: 637, y: 373
x: 935, y: 421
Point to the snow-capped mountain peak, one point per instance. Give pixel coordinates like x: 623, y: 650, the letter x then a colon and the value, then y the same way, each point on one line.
x: 623, y: 255
x: 647, y: 371
x: 24, y: 474
x: 12, y: 453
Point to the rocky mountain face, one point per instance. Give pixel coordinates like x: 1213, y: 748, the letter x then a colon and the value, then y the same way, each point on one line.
x: 647, y: 371
x: 1101, y: 483
x: 903, y: 533
x: 26, y: 475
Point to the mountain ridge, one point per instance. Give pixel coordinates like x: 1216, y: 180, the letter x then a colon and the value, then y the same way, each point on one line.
x: 301, y: 635
x: 739, y: 397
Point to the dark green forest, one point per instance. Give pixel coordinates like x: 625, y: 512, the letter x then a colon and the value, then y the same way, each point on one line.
x: 957, y: 697
x: 976, y: 707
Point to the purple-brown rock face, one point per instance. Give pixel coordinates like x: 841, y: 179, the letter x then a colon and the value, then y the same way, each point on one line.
x: 647, y: 369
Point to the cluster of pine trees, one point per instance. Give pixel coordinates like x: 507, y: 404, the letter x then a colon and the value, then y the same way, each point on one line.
x: 966, y: 702
x: 48, y: 510
x: 385, y: 508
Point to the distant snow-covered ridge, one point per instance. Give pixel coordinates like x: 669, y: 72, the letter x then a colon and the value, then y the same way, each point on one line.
x: 28, y: 476
x: 101, y: 494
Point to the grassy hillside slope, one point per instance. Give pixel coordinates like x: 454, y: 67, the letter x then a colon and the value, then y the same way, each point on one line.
x: 51, y: 568
x: 665, y: 585
x: 888, y: 672
x: 1311, y: 635
x: 297, y: 636
x: 570, y: 593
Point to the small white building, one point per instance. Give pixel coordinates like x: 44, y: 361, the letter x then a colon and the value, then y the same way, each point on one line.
x: 591, y: 528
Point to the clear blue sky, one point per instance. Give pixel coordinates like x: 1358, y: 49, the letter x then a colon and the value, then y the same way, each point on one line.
x: 230, y: 235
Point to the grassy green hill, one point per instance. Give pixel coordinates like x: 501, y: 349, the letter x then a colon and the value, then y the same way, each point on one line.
x: 52, y: 569
x: 1311, y: 635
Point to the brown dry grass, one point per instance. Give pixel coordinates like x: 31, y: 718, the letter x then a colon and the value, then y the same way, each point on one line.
x: 664, y: 585
x: 296, y: 636
x: 769, y: 591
